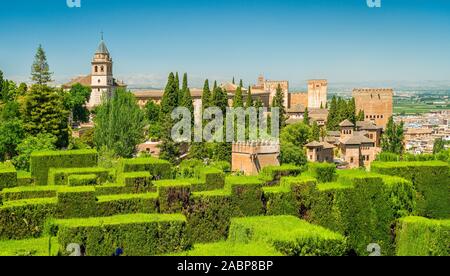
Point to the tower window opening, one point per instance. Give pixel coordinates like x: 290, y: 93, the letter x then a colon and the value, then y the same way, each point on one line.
x: 96, y: 69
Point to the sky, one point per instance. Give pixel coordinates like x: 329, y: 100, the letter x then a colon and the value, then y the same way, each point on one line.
x: 344, y: 41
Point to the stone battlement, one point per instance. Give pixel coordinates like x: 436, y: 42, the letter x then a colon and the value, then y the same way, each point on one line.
x: 373, y: 90
x: 256, y: 147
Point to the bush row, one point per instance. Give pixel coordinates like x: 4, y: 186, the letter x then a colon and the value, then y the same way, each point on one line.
x: 61, y: 176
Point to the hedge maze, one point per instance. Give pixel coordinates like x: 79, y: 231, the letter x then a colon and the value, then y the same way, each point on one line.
x: 67, y: 199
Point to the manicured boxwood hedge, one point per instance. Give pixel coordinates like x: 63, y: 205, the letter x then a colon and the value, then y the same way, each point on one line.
x: 76, y: 202
x: 24, y: 179
x: 431, y: 180
x: 8, y: 176
x: 274, y: 173
x: 173, y: 195
x: 417, y: 236
x: 136, y: 235
x: 127, y: 204
x: 289, y: 235
x: 76, y: 180
x: 41, y: 162
x: 25, y: 218
x: 159, y: 169
x: 246, y: 195
x: 28, y: 192
x: 208, y: 214
x: 212, y: 177
x: 137, y: 181
x: 58, y: 176
x: 323, y: 172
x: 358, y: 207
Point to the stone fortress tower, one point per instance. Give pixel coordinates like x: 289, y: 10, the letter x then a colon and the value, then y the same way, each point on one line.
x: 251, y: 157
x: 317, y: 93
x: 102, y: 80
x: 377, y: 104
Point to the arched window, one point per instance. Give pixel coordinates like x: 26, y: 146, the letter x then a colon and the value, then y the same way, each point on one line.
x: 102, y: 69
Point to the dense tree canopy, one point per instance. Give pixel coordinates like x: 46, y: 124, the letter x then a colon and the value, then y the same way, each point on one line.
x: 392, y: 140
x: 40, y: 71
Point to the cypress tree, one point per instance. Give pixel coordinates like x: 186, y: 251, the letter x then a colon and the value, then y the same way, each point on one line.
x: 233, y: 81
x: 206, y: 96
x: 238, y: 100
x: 40, y: 71
x: 186, y: 100
x: 241, y: 83
x: 351, y: 110
x: 170, y: 97
x: 306, y: 119
x: 278, y: 101
x: 315, y: 132
x: 361, y: 116
x: 249, y: 102
x: 177, y: 87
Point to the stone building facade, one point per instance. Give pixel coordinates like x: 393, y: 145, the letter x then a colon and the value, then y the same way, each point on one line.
x: 377, y: 104
x: 317, y: 93
x: 251, y: 157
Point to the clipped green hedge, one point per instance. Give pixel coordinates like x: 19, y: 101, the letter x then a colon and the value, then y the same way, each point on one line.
x: 137, y: 181
x: 111, y: 205
x: 246, y: 195
x: 57, y: 176
x: 213, y: 177
x: 24, y: 179
x: 417, y: 236
x: 41, y: 162
x: 25, y: 218
x: 431, y: 180
x: 28, y: 192
x: 8, y: 176
x: 289, y: 235
x: 136, y: 235
x: 173, y: 195
x: 83, y: 180
x: 76, y: 202
x: 323, y: 172
x: 29, y: 247
x: 275, y: 173
x: 159, y: 169
x: 208, y: 215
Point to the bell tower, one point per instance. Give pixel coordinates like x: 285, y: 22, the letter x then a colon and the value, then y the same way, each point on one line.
x: 102, y: 81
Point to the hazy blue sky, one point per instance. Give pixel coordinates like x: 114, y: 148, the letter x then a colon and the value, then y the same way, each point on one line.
x: 341, y: 40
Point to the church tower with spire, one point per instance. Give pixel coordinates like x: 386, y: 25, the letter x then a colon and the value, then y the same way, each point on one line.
x: 102, y: 80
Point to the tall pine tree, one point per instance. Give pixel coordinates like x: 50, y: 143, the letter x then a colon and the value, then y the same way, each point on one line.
x: 206, y: 96
x: 40, y: 71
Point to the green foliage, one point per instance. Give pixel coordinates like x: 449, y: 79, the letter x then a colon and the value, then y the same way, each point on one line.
x: 115, y: 130
x: 206, y: 96
x: 45, y: 113
x: 293, y: 138
x: 83, y: 180
x: 278, y: 102
x: 136, y: 235
x: 431, y: 180
x: 277, y: 172
x: 173, y: 195
x: 62, y: 176
x: 159, y: 169
x: 249, y: 100
x: 289, y: 235
x: 29, y: 192
x: 25, y: 218
x: 387, y: 157
x: 213, y: 177
x: 40, y: 71
x: 137, y: 181
x: 76, y: 202
x: 75, y: 101
x: 439, y: 145
x: 238, y: 100
x: 111, y: 205
x: 323, y: 172
x: 8, y: 176
x: 315, y: 132
x: 392, y: 139
x: 306, y: 118
x: 41, y: 162
x: 24, y: 178
x: 40, y: 142
x: 417, y: 236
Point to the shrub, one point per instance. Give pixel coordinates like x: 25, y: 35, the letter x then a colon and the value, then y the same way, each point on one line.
x: 223, y: 166
x: 127, y: 204
x: 30, y: 247
x: 208, y: 215
x: 76, y: 202
x: 137, y: 181
x: 83, y: 180
x: 274, y: 173
x: 61, y: 176
x: 431, y: 180
x: 24, y: 179
x: 25, y: 218
x: 289, y: 235
x: 8, y: 176
x: 173, y: 195
x: 246, y: 195
x: 323, y: 172
x: 41, y: 162
x: 417, y: 236
x: 159, y: 169
x: 28, y: 192
x: 136, y: 235
x: 213, y: 177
